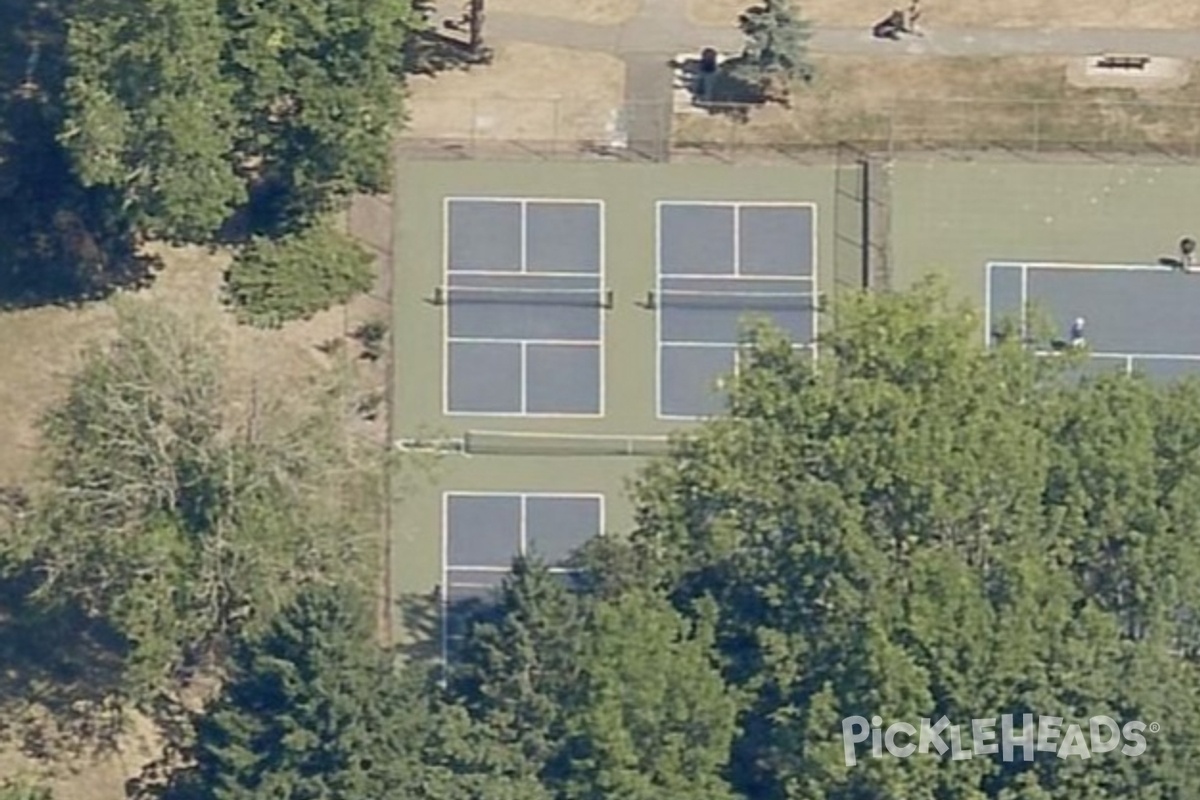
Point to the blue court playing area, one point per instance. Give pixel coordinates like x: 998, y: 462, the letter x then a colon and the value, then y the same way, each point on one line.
x: 525, y: 300
x: 1138, y: 318
x: 483, y: 532
x: 720, y: 264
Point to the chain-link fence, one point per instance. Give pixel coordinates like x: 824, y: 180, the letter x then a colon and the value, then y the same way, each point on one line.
x: 579, y: 128
x: 1033, y: 129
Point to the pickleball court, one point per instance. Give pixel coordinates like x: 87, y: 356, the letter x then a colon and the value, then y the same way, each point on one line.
x: 1139, y: 318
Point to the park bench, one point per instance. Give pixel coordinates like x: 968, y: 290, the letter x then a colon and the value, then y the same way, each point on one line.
x: 1122, y: 61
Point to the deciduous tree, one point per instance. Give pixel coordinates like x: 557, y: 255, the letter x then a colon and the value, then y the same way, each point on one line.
x: 181, y: 525
x: 277, y: 280
x: 150, y: 112
x: 926, y: 527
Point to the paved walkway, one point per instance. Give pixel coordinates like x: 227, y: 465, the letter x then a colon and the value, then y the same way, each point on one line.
x: 660, y: 32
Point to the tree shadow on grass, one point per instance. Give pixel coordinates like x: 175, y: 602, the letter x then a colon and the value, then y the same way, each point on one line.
x: 61, y: 671
x: 430, y: 50
x: 61, y: 242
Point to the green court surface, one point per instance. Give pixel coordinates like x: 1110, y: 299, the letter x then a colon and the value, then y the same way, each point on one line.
x: 951, y: 218
x: 630, y: 194
x: 944, y: 217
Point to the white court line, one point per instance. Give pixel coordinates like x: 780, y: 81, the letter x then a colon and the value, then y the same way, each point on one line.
x: 721, y: 345
x: 523, y: 376
x: 499, y: 273
x: 444, y: 587
x: 740, y: 203
x: 737, y: 242
x: 523, y: 526
x: 987, y: 304
x: 720, y: 276
x: 552, y: 342
x: 816, y: 288
x: 479, y: 568
x: 1086, y: 266
x: 603, y: 354
x: 522, y: 415
x: 1132, y: 356
x: 645, y: 437
x: 1024, y: 302
x: 524, y: 238
x: 523, y: 493
x: 718, y: 294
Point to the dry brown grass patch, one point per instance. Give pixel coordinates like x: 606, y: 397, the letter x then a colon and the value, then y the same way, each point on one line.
x: 957, y: 100
x: 529, y: 93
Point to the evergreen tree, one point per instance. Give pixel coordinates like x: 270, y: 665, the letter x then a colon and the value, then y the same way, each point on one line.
x: 312, y: 709
x: 517, y: 663
x: 776, y: 53
x: 650, y: 717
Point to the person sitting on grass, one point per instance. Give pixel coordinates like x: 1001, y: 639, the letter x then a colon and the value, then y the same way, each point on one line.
x: 890, y: 28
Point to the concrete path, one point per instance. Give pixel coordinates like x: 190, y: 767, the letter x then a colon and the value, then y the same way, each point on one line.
x: 660, y: 28
x: 660, y: 32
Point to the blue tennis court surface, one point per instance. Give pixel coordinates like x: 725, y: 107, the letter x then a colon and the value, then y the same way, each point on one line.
x: 524, y: 295
x: 1137, y: 318
x: 484, y: 532
x: 720, y: 264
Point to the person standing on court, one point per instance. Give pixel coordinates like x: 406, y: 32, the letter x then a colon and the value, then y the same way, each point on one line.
x: 1187, y: 253
x: 1077, y: 339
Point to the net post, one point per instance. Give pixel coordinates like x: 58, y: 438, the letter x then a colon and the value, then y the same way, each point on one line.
x: 651, y: 300
x: 439, y: 296
x: 609, y: 300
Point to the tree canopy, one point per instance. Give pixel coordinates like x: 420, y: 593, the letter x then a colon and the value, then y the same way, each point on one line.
x: 918, y: 526
x: 208, y: 122
x: 180, y: 523
x: 776, y: 52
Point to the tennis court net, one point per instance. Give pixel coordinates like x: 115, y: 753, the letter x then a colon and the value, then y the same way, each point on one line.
x: 519, y: 443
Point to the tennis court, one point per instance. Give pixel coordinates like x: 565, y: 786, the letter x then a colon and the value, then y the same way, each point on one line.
x: 523, y: 287
x: 482, y: 532
x: 718, y: 264
x: 1139, y: 318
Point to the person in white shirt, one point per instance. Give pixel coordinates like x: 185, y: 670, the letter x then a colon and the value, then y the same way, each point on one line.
x: 1077, y: 339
